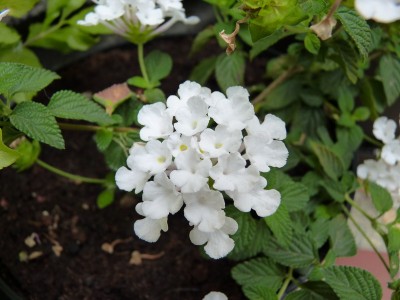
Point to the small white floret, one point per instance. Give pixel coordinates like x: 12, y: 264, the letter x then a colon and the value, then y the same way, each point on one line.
x: 154, y: 158
x: 384, y: 11
x: 220, y: 141
x: 149, y: 229
x: 215, y: 296
x: 384, y: 129
x: 156, y: 121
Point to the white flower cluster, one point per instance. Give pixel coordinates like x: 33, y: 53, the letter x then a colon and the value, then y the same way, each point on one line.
x: 192, y: 164
x: 386, y: 170
x: 127, y: 17
x: 384, y: 11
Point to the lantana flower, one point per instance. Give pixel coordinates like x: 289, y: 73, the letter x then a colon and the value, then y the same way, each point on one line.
x: 385, y: 170
x: 384, y: 11
x: 201, y: 146
x: 137, y: 20
x: 215, y: 296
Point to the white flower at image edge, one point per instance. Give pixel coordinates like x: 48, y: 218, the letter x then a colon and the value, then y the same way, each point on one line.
x: 384, y: 129
x: 384, y: 11
x: 215, y: 296
x: 218, y: 243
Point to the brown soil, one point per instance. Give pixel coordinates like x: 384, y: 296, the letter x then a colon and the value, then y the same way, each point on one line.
x: 60, y: 211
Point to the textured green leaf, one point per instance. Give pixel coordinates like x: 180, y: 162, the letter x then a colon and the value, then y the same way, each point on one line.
x: 389, y: 69
x: 357, y: 28
x: 320, y: 231
x: 313, y: 290
x: 312, y: 43
x: 247, y: 229
x: 259, y: 292
x: 313, y: 7
x: 203, y: 71
x: 341, y: 238
x: 294, y: 195
x: 18, y: 78
x: 347, y: 58
x: 281, y: 225
x: 259, y: 271
x: 380, y: 196
x: 71, y: 105
x: 394, y: 263
x: 36, y: 121
x: 7, y: 155
x: 330, y: 161
x: 300, y: 253
x: 158, y: 65
x: 353, y: 283
x: 103, y: 139
x: 255, y: 246
x: 229, y: 70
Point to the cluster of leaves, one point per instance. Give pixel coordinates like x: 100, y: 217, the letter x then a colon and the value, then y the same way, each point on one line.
x: 318, y: 83
x: 58, y: 30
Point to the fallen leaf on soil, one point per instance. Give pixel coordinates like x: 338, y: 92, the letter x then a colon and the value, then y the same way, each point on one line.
x: 57, y: 249
x: 137, y: 257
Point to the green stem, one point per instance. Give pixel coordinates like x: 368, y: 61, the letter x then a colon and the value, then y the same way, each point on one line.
x: 141, y: 62
x: 80, y: 127
x: 364, y: 234
x: 285, y: 283
x: 372, y: 141
x: 70, y: 176
x: 356, y: 206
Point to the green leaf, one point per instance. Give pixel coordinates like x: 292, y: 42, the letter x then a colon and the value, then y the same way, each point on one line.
x: 18, y: 78
x: 353, y: 283
x: 300, y: 253
x: 7, y: 155
x: 140, y: 82
x: 247, y: 228
x: 105, y: 198
x: 229, y: 70
x: 71, y: 105
x: 389, y: 70
x: 394, y: 263
x: 283, y: 95
x: 361, y: 114
x: 103, y: 139
x: 18, y: 8
x: 313, y: 7
x: 380, y: 196
x: 320, y: 231
x: 36, y: 121
x: 259, y: 292
x: 154, y: 95
x: 201, y: 40
x: 21, y: 56
x: 313, y: 290
x: 29, y: 153
x: 203, y: 71
x: 357, y: 28
x: 341, y: 239
x: 352, y: 137
x: 259, y: 271
x: 346, y: 99
x: 347, y: 58
x: 158, y: 65
x: 330, y: 161
x: 394, y: 239
x: 8, y: 35
x: 294, y: 195
x: 115, y: 156
x: 281, y: 225
x: 312, y: 43
x: 268, y: 41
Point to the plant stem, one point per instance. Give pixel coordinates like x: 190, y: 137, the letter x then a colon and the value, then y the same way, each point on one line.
x: 283, y: 77
x: 285, y: 283
x: 70, y: 176
x: 372, y: 140
x: 81, y: 127
x: 364, y: 234
x: 141, y: 62
x: 356, y: 206
x: 43, y: 34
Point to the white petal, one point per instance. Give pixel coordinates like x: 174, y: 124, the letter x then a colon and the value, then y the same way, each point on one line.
x: 157, y: 122
x: 215, y: 296
x: 128, y: 180
x: 384, y: 129
x: 150, y: 230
